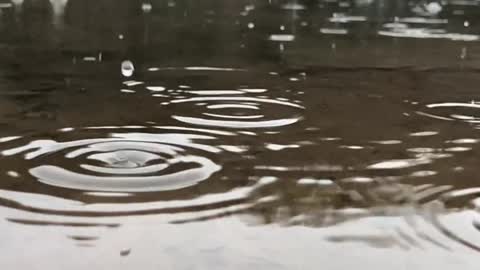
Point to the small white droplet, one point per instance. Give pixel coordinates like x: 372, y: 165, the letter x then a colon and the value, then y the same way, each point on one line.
x: 251, y: 25
x: 127, y: 68
x: 146, y: 7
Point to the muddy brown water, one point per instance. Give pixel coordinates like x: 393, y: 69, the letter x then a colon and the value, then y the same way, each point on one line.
x: 239, y: 134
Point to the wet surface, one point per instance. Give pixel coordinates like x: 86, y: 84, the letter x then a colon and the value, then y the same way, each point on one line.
x: 239, y: 134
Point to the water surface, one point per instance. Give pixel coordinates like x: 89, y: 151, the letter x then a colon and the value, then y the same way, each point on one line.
x: 239, y: 134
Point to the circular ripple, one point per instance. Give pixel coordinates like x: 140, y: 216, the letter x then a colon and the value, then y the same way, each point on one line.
x: 238, y: 112
x: 454, y: 111
x: 121, y: 162
x: 224, y: 97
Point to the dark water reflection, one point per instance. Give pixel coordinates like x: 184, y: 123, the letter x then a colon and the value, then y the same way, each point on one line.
x: 239, y: 134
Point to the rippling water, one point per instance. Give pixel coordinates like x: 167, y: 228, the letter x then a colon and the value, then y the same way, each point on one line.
x: 175, y: 134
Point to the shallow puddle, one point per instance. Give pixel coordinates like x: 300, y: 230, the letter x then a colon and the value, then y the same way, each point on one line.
x: 239, y: 134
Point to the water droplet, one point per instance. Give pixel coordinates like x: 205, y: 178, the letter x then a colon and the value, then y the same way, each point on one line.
x: 127, y: 68
x: 146, y: 7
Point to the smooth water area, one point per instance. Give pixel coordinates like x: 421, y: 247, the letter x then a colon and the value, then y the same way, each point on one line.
x: 247, y: 134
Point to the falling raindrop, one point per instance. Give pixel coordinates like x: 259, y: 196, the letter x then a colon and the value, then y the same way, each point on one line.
x: 146, y: 7
x: 127, y: 68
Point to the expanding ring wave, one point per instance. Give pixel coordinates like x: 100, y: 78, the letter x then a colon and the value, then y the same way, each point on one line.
x: 236, y: 112
x: 122, y: 162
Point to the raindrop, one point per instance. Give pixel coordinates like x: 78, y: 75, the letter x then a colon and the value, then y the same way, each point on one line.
x: 127, y: 68
x: 146, y: 7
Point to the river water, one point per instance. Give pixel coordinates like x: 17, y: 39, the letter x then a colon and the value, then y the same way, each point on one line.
x: 246, y: 134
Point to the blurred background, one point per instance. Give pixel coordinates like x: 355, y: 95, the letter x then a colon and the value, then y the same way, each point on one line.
x: 346, y: 33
